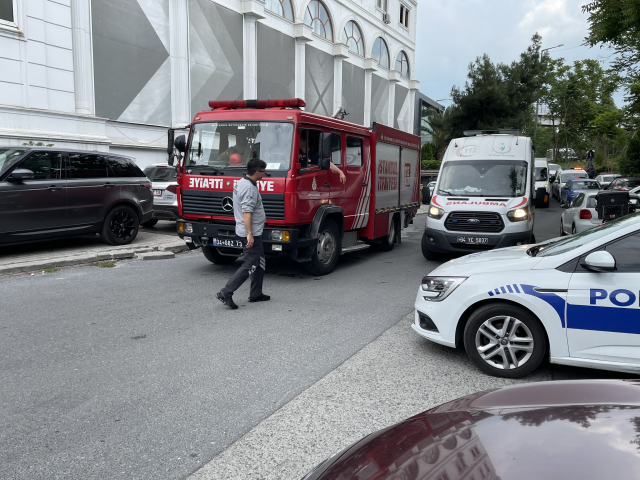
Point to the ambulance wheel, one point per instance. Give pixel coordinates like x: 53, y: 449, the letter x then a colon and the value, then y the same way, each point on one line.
x: 429, y: 254
x: 214, y: 256
x: 325, y: 255
x: 505, y: 340
x: 387, y: 243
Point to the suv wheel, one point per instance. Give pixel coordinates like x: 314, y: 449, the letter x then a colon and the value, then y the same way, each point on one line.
x: 214, y: 256
x: 120, y: 226
x: 505, y: 340
x: 325, y: 255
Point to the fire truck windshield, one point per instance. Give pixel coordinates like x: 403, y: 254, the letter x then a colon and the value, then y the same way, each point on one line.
x: 230, y: 145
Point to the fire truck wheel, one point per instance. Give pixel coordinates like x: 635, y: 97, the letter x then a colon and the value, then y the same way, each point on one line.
x: 325, y: 256
x: 428, y: 254
x: 387, y: 243
x: 212, y: 254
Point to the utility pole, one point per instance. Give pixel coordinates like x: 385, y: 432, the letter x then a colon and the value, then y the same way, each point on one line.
x: 535, y: 125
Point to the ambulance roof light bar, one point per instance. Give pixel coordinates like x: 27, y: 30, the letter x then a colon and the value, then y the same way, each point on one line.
x: 473, y: 133
x: 270, y: 103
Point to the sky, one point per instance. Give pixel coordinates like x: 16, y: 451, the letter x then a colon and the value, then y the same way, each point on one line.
x: 452, y: 33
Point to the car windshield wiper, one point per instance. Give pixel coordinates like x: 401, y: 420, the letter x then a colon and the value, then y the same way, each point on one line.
x: 446, y: 192
x: 216, y: 170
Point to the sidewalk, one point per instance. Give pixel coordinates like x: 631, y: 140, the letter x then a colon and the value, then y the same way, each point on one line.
x: 84, y: 250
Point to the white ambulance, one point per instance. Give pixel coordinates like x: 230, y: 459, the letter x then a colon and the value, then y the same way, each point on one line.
x: 484, y: 196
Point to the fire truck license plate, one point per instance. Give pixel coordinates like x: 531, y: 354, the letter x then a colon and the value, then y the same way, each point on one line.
x: 227, y: 243
x: 473, y: 240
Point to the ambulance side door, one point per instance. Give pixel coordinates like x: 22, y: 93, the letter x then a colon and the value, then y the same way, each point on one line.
x: 603, y: 316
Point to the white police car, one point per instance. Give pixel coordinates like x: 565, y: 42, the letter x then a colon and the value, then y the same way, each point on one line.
x: 574, y: 300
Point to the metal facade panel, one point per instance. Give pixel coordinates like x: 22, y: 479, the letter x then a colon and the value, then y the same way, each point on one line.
x: 353, y: 92
x: 318, y: 81
x: 215, y: 53
x: 401, y: 117
x: 387, y: 175
x: 409, y: 177
x: 379, y: 100
x: 132, y: 71
x: 276, y: 63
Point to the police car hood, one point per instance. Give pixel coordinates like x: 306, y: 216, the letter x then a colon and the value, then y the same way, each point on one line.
x: 500, y: 260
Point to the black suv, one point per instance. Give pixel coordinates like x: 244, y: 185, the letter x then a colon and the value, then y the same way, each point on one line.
x: 48, y: 193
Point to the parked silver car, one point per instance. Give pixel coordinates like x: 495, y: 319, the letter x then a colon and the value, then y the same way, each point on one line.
x: 606, y: 178
x: 163, y: 184
x: 581, y: 214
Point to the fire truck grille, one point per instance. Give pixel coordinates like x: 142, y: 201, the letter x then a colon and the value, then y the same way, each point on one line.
x: 474, y: 222
x: 202, y: 202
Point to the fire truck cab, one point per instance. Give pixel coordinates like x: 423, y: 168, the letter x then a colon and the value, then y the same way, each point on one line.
x: 311, y: 214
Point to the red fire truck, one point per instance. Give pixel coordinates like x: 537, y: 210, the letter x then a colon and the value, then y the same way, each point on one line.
x: 311, y: 214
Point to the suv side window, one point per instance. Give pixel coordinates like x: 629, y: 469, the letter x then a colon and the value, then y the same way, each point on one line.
x: 44, y: 165
x: 625, y: 251
x: 123, y: 167
x: 83, y: 165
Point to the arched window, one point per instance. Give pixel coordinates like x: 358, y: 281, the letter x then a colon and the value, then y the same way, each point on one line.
x: 402, y: 64
x: 381, y: 53
x: 281, y: 7
x: 352, y: 38
x: 317, y: 18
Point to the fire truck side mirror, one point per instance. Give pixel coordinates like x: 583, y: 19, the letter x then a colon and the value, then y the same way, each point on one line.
x: 325, y: 163
x: 180, y: 144
x: 325, y: 153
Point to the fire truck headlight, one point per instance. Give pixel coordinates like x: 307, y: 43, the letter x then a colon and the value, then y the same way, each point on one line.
x: 437, y: 289
x: 188, y: 228
x: 435, y: 212
x: 279, y: 235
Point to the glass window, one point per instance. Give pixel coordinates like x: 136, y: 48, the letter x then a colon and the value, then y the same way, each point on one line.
x: 565, y: 177
x: 228, y: 145
x: 591, y: 202
x: 541, y: 174
x: 336, y: 149
x: 309, y: 148
x: 585, y: 185
x: 124, y: 167
x: 625, y: 251
x: 402, y: 64
x: 577, y: 202
x: 480, y: 178
x: 354, y: 152
x: 6, y: 10
x: 352, y: 38
x: 382, y: 4
x: 7, y: 156
x: 381, y: 53
x: 161, y: 174
x: 44, y: 165
x: 317, y: 18
x: 281, y: 7
x: 82, y: 165
x: 404, y: 16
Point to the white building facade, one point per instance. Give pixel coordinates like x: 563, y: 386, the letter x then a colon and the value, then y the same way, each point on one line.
x: 113, y: 75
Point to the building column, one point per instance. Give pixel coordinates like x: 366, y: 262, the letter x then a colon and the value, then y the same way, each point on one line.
x: 369, y: 68
x: 82, y: 56
x: 414, y: 85
x: 302, y: 36
x: 179, y: 51
x: 253, y: 11
x: 340, y: 52
x: 394, y: 78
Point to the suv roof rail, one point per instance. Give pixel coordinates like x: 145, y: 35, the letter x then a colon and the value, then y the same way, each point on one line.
x: 473, y: 133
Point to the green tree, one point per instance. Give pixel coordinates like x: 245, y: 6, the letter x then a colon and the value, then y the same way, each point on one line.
x: 427, y: 151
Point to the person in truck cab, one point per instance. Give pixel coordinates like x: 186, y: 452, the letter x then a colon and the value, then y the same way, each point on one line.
x: 230, y: 155
x: 309, y: 157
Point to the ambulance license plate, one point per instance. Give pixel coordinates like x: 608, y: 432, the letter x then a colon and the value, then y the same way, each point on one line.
x: 474, y: 240
x: 218, y: 242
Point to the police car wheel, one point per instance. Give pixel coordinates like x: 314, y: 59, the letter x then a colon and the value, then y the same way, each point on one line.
x: 504, y: 340
x: 214, y: 256
x: 325, y: 256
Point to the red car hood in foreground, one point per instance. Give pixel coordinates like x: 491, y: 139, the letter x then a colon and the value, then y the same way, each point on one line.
x: 547, y: 430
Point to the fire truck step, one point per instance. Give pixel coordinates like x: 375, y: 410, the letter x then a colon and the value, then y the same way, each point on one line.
x: 354, y: 248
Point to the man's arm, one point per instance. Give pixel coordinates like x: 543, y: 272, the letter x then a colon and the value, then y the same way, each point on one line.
x: 246, y: 219
x: 335, y: 169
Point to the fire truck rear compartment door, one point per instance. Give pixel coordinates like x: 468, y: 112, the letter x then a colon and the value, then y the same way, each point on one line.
x: 409, y: 177
x: 387, y: 175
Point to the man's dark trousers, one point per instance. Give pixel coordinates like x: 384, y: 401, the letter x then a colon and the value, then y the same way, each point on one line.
x: 254, y: 265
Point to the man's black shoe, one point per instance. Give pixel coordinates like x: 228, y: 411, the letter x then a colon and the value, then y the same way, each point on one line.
x: 227, y: 300
x: 261, y: 298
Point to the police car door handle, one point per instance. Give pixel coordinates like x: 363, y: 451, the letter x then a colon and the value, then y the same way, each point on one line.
x: 551, y: 290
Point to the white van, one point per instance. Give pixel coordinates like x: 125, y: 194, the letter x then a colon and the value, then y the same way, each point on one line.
x: 484, y: 195
x: 543, y: 185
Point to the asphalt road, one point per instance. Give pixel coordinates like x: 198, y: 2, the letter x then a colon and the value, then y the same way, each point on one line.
x: 138, y: 372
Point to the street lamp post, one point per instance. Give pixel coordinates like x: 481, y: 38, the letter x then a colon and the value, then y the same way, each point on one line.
x: 535, y: 125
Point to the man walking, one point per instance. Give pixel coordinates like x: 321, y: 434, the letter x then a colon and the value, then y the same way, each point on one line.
x: 250, y: 218
x: 590, y: 154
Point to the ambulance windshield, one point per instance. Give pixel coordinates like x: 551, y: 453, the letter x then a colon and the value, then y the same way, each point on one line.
x: 230, y: 145
x: 483, y: 178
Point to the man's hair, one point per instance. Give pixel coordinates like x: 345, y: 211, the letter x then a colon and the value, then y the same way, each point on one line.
x: 255, y: 164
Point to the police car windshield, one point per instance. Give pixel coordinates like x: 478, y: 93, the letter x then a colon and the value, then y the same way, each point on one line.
x: 230, y: 145
x: 481, y: 178
x: 579, y: 239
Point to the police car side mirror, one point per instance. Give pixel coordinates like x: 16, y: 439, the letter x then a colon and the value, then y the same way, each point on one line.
x: 601, y: 261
